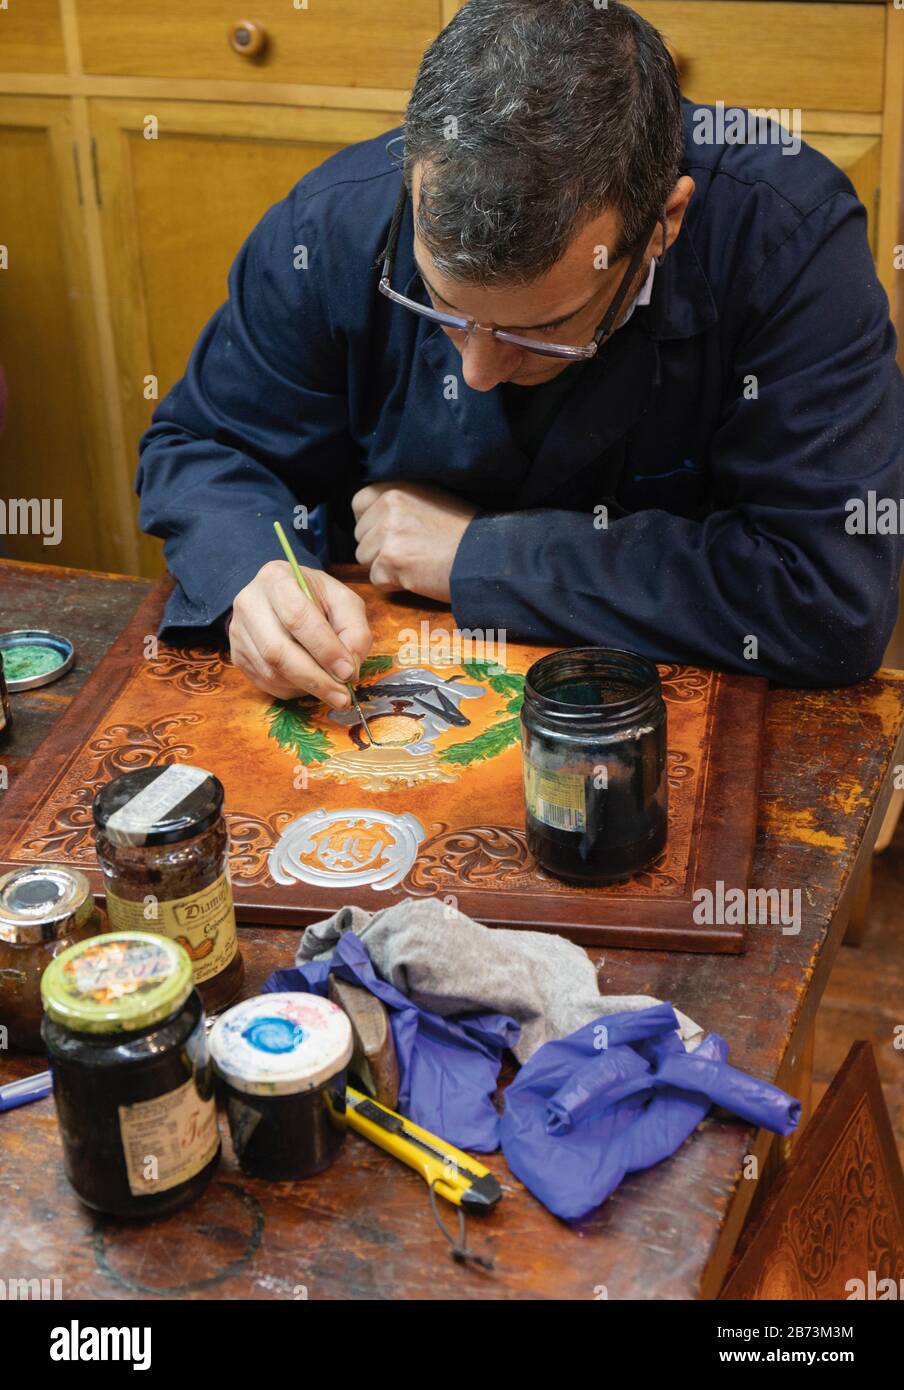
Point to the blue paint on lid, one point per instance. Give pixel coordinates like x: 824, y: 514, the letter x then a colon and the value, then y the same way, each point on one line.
x: 274, y: 1035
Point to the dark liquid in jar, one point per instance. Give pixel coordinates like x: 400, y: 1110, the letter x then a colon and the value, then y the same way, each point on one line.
x: 21, y: 968
x: 625, y: 820
x: 602, y: 854
x: 173, y: 871
x: 591, y: 692
x: 95, y: 1074
x: 285, y: 1137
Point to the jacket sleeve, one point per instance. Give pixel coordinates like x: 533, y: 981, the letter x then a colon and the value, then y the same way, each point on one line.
x: 778, y: 559
x: 254, y: 429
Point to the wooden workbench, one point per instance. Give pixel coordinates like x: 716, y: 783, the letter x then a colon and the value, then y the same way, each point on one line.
x: 364, y: 1229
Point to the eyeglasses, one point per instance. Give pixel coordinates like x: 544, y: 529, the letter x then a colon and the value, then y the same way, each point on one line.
x: 458, y: 324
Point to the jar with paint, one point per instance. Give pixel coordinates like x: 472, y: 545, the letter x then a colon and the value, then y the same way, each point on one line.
x: 32, y: 656
x: 163, y: 846
x: 282, y: 1061
x: 43, y: 909
x: 593, y: 735
x: 132, y: 1083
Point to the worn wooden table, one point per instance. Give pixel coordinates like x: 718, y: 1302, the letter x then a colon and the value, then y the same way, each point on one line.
x: 364, y: 1229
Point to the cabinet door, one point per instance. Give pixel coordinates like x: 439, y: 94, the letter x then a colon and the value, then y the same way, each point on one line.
x: 174, y: 212
x: 53, y: 440
x: 31, y: 36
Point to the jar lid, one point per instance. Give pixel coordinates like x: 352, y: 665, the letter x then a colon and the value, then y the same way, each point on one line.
x: 41, y: 902
x: 32, y: 656
x: 280, y: 1044
x: 158, y: 805
x: 117, y: 983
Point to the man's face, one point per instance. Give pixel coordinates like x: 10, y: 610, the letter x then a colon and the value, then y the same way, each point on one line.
x: 565, y: 305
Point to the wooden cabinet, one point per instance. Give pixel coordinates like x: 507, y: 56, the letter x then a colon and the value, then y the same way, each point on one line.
x: 838, y: 67
x: 53, y: 445
x: 31, y: 37
x: 174, y: 212
x: 344, y: 43
x: 775, y: 53
x: 120, y: 244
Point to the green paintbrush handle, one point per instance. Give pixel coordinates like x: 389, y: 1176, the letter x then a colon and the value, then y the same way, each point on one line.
x: 305, y: 587
x: 303, y: 584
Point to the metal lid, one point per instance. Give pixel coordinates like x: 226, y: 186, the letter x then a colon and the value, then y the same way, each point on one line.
x: 32, y: 656
x: 117, y: 983
x: 280, y: 1044
x: 158, y: 805
x: 42, y: 903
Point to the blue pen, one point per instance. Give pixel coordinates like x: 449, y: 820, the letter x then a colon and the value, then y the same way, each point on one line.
x: 27, y: 1089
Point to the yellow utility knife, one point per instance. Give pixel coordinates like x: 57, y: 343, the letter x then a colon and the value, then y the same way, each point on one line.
x: 454, y: 1175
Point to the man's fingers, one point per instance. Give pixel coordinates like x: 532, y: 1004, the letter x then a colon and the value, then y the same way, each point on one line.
x: 366, y: 497
x: 307, y: 623
x: 287, y: 643
x: 348, y: 616
x: 382, y: 570
x: 287, y: 663
x: 281, y: 660
x: 248, y: 660
x: 368, y: 547
x: 368, y: 522
x: 384, y: 575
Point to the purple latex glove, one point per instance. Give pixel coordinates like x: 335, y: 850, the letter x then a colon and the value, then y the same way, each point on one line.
x: 448, y: 1067
x: 569, y: 1138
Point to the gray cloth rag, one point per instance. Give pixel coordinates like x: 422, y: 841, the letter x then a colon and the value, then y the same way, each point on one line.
x: 448, y: 964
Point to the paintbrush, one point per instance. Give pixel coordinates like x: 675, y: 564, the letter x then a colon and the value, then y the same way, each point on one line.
x: 305, y: 588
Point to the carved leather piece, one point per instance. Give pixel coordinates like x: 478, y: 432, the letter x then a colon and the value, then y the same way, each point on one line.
x: 464, y: 785
x: 836, y: 1211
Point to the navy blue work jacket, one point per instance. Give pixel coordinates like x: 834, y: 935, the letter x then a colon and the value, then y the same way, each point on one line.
x: 726, y: 428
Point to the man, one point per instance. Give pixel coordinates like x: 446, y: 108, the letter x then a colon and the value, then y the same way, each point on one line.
x: 599, y: 380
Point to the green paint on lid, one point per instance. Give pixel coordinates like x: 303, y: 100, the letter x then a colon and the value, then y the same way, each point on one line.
x: 118, y: 982
x: 21, y: 662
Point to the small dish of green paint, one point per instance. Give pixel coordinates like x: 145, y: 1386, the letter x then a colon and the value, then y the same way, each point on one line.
x: 32, y: 657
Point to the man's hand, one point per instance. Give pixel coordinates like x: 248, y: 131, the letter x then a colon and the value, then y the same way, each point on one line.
x: 408, y: 534
x: 286, y: 646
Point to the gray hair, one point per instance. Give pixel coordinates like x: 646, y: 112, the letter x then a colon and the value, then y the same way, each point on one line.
x: 527, y: 119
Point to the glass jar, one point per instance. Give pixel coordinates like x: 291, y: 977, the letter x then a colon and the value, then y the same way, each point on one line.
x: 282, y: 1060
x: 593, y: 737
x: 43, y: 910
x: 163, y: 846
x: 132, y: 1081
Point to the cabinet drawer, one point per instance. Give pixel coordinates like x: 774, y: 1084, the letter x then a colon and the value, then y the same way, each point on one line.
x: 349, y: 43
x: 31, y: 37
x: 760, y: 53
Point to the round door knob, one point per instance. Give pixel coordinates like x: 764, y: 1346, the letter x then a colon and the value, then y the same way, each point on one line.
x: 248, y: 38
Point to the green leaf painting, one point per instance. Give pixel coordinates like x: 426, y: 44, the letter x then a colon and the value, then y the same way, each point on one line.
x: 491, y: 742
x: 291, y: 720
x: 290, y: 725
x: 482, y: 670
x: 374, y: 666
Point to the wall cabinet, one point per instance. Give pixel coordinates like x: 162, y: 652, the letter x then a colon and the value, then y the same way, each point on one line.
x: 175, y: 210
x: 54, y: 445
x: 347, y: 43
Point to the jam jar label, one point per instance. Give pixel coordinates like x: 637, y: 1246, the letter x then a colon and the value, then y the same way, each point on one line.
x: 202, y: 922
x: 167, y: 1140
x: 555, y: 798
